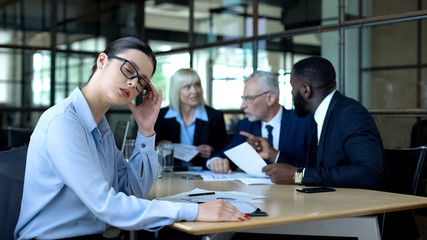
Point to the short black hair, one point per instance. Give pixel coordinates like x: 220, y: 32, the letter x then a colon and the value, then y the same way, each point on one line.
x: 122, y: 44
x: 318, y: 72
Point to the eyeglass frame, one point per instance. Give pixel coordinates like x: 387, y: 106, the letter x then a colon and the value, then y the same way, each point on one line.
x: 147, y: 87
x: 252, y: 98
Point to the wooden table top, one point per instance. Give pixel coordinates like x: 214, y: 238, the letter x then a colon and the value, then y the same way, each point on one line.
x: 284, y: 205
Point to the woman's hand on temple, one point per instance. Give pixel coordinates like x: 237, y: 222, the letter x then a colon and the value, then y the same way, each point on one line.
x: 146, y: 113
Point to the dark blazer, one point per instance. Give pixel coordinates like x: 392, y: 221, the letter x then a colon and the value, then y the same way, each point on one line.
x: 294, y: 137
x: 350, y: 150
x: 212, y: 132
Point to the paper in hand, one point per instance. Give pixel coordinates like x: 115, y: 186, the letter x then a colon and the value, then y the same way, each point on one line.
x: 184, y: 152
x: 247, y: 159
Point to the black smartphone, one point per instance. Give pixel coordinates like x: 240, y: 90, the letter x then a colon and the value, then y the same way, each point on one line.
x: 315, y: 189
x: 191, y: 177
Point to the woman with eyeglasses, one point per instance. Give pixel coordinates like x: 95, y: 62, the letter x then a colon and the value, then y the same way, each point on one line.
x: 187, y: 120
x: 77, y: 183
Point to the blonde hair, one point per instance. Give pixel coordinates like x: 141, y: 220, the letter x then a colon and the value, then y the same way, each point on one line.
x: 179, y: 79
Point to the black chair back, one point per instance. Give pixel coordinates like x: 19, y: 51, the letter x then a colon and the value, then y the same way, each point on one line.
x: 16, y: 136
x: 12, y: 171
x: 403, y: 167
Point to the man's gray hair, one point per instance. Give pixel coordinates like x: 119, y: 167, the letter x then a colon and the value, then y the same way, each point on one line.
x: 268, y: 81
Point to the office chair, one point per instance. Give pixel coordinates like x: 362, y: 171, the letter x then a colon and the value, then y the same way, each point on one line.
x: 17, y: 135
x: 419, y: 138
x: 12, y: 171
x: 419, y: 134
x: 402, y: 170
x: 120, y: 134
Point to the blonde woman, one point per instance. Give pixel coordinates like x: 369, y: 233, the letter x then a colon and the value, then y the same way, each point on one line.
x: 189, y: 121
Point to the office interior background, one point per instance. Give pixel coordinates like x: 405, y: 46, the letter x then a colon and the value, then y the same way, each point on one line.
x: 378, y: 47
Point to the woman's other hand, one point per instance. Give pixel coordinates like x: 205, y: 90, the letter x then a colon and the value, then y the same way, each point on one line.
x: 205, y: 151
x: 219, y: 211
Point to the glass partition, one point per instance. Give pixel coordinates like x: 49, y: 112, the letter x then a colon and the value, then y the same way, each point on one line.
x: 356, y: 9
x: 168, y: 22
x: 223, y: 70
x: 222, y: 20
x: 167, y: 65
x: 382, y: 64
x: 72, y: 70
x: 392, y: 136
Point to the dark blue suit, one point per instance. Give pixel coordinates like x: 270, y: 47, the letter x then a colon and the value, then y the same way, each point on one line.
x: 350, y: 150
x: 294, y: 137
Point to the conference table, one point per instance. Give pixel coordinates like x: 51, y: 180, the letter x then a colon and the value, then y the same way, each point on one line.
x: 344, y: 212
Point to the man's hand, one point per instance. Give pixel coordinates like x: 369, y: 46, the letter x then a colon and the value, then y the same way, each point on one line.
x: 280, y: 173
x: 205, y: 150
x: 220, y: 165
x: 219, y: 211
x: 146, y: 113
x: 262, y: 146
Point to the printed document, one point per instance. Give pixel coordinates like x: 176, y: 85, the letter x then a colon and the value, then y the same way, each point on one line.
x: 247, y: 159
x: 209, y: 176
x: 184, y: 152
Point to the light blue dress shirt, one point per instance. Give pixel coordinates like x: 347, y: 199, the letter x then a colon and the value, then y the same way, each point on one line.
x: 78, y: 183
x: 187, y: 132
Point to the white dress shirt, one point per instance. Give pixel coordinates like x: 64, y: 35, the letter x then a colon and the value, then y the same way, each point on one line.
x: 320, y: 113
x: 275, y: 122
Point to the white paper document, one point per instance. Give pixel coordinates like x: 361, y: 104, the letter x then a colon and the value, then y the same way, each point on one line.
x: 210, y: 176
x: 255, y: 181
x: 226, y: 196
x: 247, y: 159
x: 184, y: 152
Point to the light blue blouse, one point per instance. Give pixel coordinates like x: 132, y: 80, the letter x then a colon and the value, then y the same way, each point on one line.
x: 77, y: 182
x: 187, y: 132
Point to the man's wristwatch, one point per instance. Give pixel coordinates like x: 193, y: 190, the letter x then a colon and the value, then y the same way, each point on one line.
x: 298, y: 176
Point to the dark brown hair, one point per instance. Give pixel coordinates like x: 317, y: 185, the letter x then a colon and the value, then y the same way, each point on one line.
x: 122, y: 44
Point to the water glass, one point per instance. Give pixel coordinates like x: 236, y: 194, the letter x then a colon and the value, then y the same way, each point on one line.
x: 166, y: 156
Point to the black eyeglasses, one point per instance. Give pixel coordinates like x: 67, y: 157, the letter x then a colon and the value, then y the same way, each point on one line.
x: 251, y: 98
x: 130, y: 72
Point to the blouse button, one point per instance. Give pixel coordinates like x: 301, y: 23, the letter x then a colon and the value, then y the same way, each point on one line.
x: 143, y: 145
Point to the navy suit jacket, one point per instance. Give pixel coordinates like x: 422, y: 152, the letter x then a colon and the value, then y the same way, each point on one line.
x: 212, y: 132
x: 350, y: 150
x: 294, y: 137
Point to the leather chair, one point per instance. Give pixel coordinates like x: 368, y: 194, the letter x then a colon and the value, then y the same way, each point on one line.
x: 402, y: 169
x: 12, y: 171
x: 17, y: 136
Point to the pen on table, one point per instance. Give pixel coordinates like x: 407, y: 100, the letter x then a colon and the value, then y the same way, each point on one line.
x: 201, y: 194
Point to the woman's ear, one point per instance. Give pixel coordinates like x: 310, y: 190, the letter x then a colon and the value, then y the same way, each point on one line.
x: 101, y: 60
